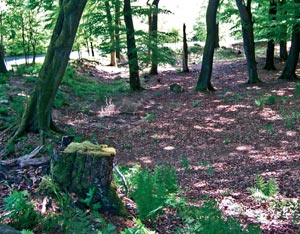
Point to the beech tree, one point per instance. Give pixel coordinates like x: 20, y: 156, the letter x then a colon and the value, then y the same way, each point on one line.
x: 153, y: 26
x: 134, y: 79
x: 248, y: 38
x: 271, y: 43
x: 204, y: 80
x: 289, y: 71
x: 37, y: 114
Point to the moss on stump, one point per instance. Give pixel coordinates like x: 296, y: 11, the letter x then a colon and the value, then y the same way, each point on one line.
x: 82, y: 166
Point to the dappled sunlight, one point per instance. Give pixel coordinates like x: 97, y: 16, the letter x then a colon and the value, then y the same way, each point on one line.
x: 268, y: 114
x: 208, y: 129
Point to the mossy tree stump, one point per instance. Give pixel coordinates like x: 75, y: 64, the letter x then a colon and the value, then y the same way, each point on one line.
x: 84, y: 166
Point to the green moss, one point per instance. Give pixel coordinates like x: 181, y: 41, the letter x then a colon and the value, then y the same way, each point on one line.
x: 116, y: 203
x: 90, y: 148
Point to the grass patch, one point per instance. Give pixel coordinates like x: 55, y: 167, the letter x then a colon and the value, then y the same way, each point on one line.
x: 85, y: 87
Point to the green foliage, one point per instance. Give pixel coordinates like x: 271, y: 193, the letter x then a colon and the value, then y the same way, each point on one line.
x: 291, y: 119
x: 196, y: 103
x: 26, y: 232
x: 297, y: 90
x: 208, y: 219
x: 21, y: 213
x: 152, y: 190
x: 130, y: 174
x: 195, y: 49
x: 89, y: 201
x: 28, y: 69
x: 139, y: 229
x: 260, y: 102
x: 89, y: 88
x: 149, y: 116
x: 185, y: 163
x: 264, y: 189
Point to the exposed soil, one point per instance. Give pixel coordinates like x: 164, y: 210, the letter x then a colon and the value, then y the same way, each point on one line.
x: 218, y: 141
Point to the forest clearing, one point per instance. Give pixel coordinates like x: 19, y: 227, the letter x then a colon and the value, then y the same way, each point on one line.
x: 218, y: 142
x: 159, y: 126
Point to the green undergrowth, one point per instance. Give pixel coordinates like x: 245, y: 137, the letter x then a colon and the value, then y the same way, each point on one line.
x: 156, y: 194
x: 89, y: 88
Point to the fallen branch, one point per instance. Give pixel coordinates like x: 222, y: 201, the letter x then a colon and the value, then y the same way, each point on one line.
x: 26, y: 160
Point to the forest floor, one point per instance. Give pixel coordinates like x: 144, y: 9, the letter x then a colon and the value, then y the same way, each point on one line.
x: 219, y: 142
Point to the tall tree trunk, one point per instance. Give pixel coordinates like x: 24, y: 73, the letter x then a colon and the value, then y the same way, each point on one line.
x: 3, y: 68
x: 37, y: 115
x: 117, y: 28
x: 217, y: 40
x: 185, y: 67
x: 283, y: 42
x: 270, y: 56
x: 289, y: 71
x: 153, y: 36
x: 204, y: 80
x: 283, y: 54
x: 111, y: 34
x: 92, y: 49
x: 271, y: 44
x: 248, y: 38
x: 134, y: 79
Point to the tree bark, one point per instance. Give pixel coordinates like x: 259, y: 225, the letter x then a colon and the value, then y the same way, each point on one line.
x: 204, y: 80
x: 3, y: 68
x: 283, y: 54
x: 271, y: 44
x: 289, y: 71
x: 153, y: 37
x: 185, y: 67
x: 270, y: 56
x: 117, y: 28
x: 283, y: 43
x: 111, y: 34
x: 248, y: 38
x: 37, y: 115
x: 82, y: 167
x: 134, y: 79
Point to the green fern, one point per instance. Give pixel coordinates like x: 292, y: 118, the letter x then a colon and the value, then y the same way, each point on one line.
x: 152, y: 190
x: 264, y: 189
x: 21, y: 213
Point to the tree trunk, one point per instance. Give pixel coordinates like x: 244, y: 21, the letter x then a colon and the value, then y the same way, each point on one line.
x: 271, y: 46
x: 185, y: 67
x: 134, y: 79
x: 270, y: 56
x: 84, y: 167
x: 92, y: 49
x: 111, y: 34
x: 289, y: 71
x: 248, y: 38
x: 37, y: 115
x: 153, y: 37
x: 283, y: 43
x: 283, y: 54
x: 3, y: 68
x: 217, y: 40
x: 117, y: 28
x: 204, y: 80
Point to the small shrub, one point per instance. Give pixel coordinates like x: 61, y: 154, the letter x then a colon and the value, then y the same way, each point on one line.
x: 139, y: 229
x: 21, y: 213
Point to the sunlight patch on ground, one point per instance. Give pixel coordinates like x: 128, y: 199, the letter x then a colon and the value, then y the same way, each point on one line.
x: 208, y: 129
x: 169, y: 148
x: 269, y: 114
x: 146, y: 160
